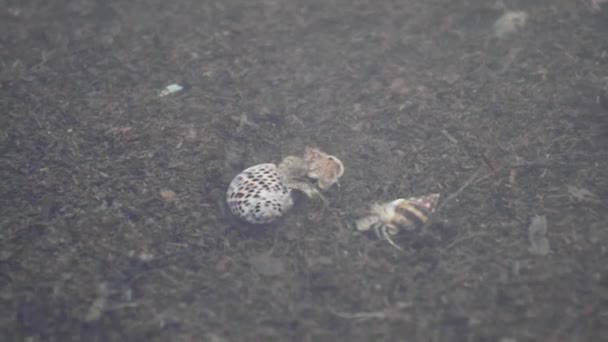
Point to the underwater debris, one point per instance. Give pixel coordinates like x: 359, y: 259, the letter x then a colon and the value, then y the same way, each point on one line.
x: 168, y: 195
x: 595, y: 6
x: 537, y: 231
x: 170, y: 89
x: 582, y: 195
x: 510, y: 22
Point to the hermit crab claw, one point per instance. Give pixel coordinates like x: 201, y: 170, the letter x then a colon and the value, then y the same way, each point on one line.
x: 314, y: 172
x: 324, y: 168
x: 312, y: 192
x: 386, y: 235
x: 293, y: 172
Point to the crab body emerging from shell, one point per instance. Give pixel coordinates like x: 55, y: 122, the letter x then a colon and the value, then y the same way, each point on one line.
x: 391, y: 218
x: 258, y: 195
x: 325, y: 168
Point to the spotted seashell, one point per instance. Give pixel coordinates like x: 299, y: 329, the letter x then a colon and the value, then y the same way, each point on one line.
x: 257, y: 195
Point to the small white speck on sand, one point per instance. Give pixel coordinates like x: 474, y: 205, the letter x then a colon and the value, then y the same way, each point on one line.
x: 170, y: 89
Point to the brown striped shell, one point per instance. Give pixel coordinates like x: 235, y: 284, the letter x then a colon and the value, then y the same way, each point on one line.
x: 400, y: 214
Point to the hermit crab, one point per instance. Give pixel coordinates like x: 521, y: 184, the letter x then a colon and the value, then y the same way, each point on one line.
x: 391, y: 218
x: 262, y: 193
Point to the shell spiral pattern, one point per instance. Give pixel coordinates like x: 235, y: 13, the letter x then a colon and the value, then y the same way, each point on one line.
x: 258, y: 195
x: 397, y: 216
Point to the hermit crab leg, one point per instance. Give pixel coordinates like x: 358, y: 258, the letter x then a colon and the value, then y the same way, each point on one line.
x: 316, y: 192
x: 309, y: 190
x: 382, y: 232
x: 387, y: 237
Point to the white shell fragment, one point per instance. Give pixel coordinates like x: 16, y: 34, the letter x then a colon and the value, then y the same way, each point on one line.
x: 170, y: 89
x: 510, y: 22
x: 258, y: 195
